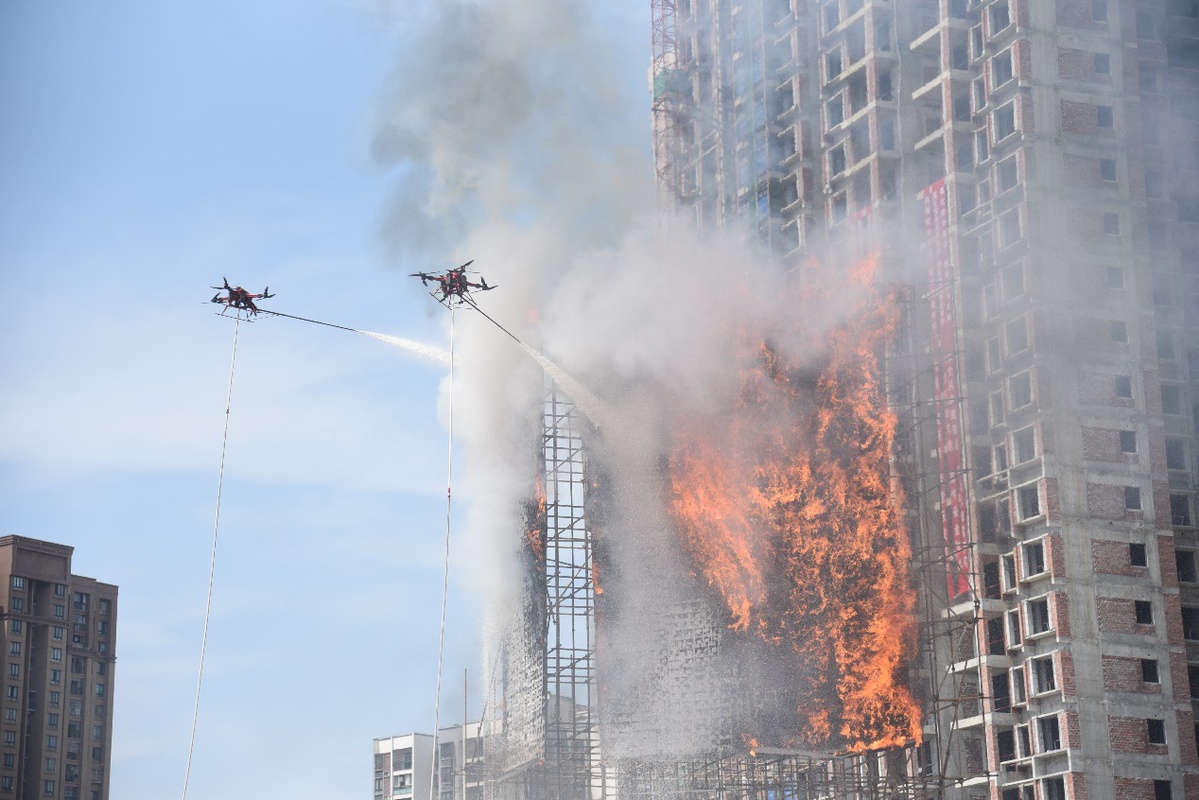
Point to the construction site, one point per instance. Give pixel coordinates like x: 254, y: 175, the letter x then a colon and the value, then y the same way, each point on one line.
x: 936, y: 538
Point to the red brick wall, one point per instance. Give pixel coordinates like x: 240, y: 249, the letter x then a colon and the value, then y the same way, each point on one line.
x: 1172, y: 612
x: 1182, y: 683
x: 1117, y: 615
x: 1122, y: 674
x: 1051, y: 504
x: 1167, y: 564
x: 1107, y: 502
x: 1079, y: 783
x: 1078, y: 65
x: 1056, y: 558
x: 1066, y: 669
x: 1111, y: 558
x: 1061, y: 614
x: 1133, y: 788
x: 1083, y: 118
x: 1071, y: 730
x: 1131, y: 735
x: 1187, y: 751
x: 1103, y: 444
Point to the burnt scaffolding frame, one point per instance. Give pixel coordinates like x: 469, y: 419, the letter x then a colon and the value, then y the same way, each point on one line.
x: 571, y: 744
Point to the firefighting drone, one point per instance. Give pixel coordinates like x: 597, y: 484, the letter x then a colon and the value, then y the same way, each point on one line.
x: 238, y: 298
x: 452, y: 286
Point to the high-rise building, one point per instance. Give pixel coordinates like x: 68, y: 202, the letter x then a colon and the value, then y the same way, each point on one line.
x: 1046, y: 152
x: 404, y: 765
x: 60, y: 653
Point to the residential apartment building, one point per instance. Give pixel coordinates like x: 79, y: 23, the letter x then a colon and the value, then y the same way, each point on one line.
x: 404, y: 765
x: 60, y: 653
x: 1046, y: 374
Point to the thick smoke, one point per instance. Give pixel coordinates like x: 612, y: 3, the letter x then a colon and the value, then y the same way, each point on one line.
x: 521, y: 150
x: 518, y: 148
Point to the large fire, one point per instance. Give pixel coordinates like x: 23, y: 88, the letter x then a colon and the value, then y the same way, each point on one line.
x: 789, y: 509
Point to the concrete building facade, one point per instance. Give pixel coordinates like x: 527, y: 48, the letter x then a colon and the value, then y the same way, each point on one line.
x: 1047, y: 153
x: 59, y: 663
x: 404, y: 766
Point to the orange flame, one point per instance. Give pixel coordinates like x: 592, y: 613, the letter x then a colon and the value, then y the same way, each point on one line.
x: 535, y: 521
x: 789, y: 510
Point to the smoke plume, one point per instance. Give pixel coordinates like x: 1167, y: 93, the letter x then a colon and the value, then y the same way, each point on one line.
x: 520, y: 148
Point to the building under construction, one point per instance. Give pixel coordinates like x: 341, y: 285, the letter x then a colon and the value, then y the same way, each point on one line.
x: 1029, y: 170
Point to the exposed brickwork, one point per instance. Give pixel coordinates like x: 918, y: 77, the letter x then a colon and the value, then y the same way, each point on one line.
x: 1055, y: 556
x: 1078, y: 783
x: 1121, y: 674
x: 1131, y: 735
x: 1083, y: 118
x: 1111, y: 558
x: 1103, y: 444
x: 1022, y: 59
x: 1178, y: 673
x: 1073, y: 730
x: 1188, y: 753
x: 1107, y: 502
x: 1051, y: 500
x: 1079, y: 65
x: 1167, y: 566
x: 1133, y: 788
x: 1066, y: 668
x: 1061, y: 614
x: 1172, y: 613
x: 1117, y: 615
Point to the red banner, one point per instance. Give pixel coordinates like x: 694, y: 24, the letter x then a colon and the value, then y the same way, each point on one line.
x: 950, y: 447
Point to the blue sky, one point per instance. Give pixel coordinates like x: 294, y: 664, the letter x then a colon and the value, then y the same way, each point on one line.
x: 147, y: 150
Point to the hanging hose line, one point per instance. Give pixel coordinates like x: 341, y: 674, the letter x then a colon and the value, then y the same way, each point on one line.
x: 445, y: 578
x: 191, y: 745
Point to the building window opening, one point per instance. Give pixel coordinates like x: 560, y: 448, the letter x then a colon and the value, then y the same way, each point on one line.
x: 1180, y: 510
x: 1050, y: 735
x: 1132, y: 498
x: 1038, y: 616
x: 1028, y: 502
